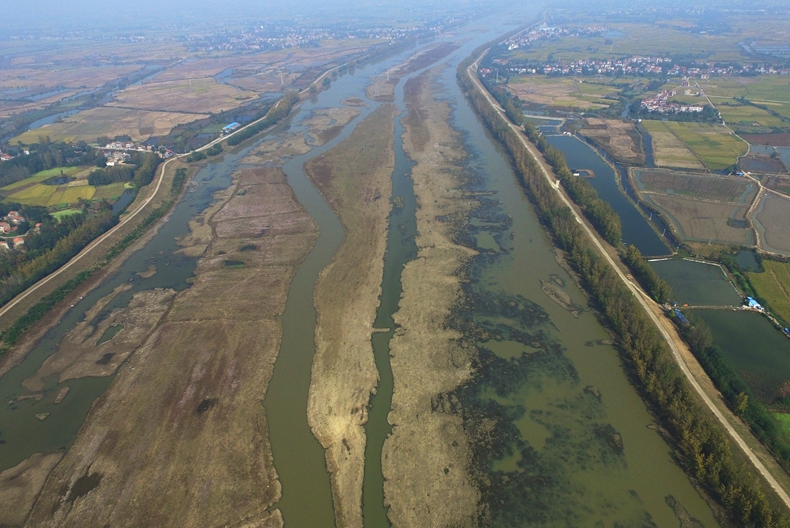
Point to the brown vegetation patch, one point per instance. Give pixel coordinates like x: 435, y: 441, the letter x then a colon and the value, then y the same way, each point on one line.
x: 20, y: 485
x: 425, y: 460
x: 705, y: 221
x: 107, y: 121
x: 326, y: 124
x: 382, y: 89
x: 774, y: 140
x: 619, y: 139
x: 355, y: 178
x: 427, y: 57
x: 704, y: 186
x: 201, y: 96
x: 774, y: 219
x: 78, y: 354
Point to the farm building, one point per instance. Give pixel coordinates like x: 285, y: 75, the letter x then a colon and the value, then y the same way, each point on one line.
x: 230, y: 128
x: 751, y: 303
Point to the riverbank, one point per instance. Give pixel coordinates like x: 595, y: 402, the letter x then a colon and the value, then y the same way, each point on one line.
x: 355, y: 179
x: 197, y: 382
x: 425, y: 459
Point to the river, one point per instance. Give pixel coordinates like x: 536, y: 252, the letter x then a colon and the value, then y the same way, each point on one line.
x: 576, y: 419
x: 554, y: 374
x: 636, y: 228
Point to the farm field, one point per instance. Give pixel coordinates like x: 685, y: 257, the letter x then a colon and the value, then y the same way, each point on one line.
x: 762, y: 164
x: 702, y: 221
x: 31, y: 191
x: 668, y: 150
x: 715, y: 145
x: 65, y: 212
x: 777, y: 140
x: 745, y: 116
x: 111, y: 122
x: 772, y: 217
x: 760, y: 88
x: 703, y: 186
x: 41, y: 176
x: 110, y: 192
x: 773, y: 285
x: 635, y: 39
x: 194, y: 95
x: 565, y: 92
x: 619, y: 138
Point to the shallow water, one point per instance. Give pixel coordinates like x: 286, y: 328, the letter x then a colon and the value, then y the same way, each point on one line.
x: 697, y: 283
x: 757, y: 351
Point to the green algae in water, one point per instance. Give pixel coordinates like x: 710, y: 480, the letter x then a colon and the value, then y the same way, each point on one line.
x: 549, y: 434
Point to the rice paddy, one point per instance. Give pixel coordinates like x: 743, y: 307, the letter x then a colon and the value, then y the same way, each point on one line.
x: 773, y: 285
x: 715, y: 145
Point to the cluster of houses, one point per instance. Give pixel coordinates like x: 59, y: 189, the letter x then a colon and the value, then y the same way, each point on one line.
x: 526, y: 37
x: 660, y: 103
x: 5, y: 156
x: 118, y: 151
x: 8, y: 225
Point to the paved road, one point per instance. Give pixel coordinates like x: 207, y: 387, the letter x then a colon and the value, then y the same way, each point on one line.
x: 647, y: 303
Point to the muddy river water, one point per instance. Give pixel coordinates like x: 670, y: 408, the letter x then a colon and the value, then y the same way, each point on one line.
x: 575, y: 424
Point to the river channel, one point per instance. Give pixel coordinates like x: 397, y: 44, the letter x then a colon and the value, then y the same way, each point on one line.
x: 580, y: 440
x: 636, y: 228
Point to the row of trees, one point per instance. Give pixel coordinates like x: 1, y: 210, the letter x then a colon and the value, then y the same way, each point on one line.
x: 277, y: 113
x: 703, y: 449
x: 77, y: 232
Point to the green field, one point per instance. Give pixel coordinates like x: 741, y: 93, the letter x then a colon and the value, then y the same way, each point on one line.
x: 746, y: 115
x: 636, y: 39
x: 109, y: 192
x: 716, y: 146
x: 41, y: 176
x: 784, y: 422
x: 65, y: 212
x: 51, y: 195
x: 773, y: 285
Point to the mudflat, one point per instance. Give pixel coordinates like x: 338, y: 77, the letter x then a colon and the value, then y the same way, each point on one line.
x: 355, y: 179
x: 425, y: 460
x: 185, y: 407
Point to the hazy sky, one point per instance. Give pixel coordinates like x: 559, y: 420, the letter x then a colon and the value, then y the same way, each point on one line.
x: 73, y: 13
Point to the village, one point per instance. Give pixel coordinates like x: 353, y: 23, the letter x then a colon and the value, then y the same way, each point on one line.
x: 643, y: 66
x: 661, y: 103
x: 9, y: 224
